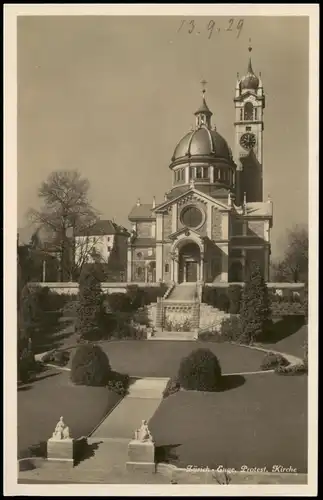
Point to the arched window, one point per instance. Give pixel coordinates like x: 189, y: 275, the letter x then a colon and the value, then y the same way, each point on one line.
x: 140, y: 271
x: 166, y: 268
x: 248, y: 111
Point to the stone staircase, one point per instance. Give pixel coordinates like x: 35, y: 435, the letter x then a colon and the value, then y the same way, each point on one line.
x: 161, y: 334
x: 210, y: 318
x: 183, y: 292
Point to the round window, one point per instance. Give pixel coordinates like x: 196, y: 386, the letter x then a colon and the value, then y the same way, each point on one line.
x: 191, y: 217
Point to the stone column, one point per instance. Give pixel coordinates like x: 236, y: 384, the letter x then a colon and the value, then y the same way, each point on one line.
x: 201, y: 276
x: 174, y: 218
x: 266, y: 263
x: 225, y: 262
x: 159, y: 247
x: 44, y: 270
x: 129, y: 264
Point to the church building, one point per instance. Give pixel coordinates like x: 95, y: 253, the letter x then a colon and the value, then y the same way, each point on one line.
x: 213, y: 222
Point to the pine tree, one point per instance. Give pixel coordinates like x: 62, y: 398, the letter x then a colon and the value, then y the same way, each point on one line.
x: 255, y: 310
x: 90, y: 309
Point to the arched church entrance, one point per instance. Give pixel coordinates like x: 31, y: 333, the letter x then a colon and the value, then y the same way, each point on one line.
x: 189, y: 263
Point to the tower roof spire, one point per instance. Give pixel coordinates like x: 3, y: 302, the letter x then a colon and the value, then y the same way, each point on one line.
x: 250, y: 81
x: 204, y: 107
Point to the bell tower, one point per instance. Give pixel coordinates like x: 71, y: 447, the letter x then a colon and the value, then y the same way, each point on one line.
x: 249, y: 104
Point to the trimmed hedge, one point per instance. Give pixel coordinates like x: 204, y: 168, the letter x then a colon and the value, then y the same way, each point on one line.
x: 90, y: 366
x: 200, y: 371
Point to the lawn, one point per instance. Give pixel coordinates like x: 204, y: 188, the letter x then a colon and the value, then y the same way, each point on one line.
x: 41, y: 403
x: 259, y: 423
x: 153, y: 358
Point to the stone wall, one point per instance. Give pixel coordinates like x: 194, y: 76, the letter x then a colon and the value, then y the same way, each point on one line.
x: 167, y: 220
x: 256, y: 228
x: 144, y: 229
x: 72, y: 288
x: 216, y: 224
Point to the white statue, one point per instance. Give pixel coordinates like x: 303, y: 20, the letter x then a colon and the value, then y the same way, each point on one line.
x: 61, y: 431
x: 143, y: 434
x: 192, y: 184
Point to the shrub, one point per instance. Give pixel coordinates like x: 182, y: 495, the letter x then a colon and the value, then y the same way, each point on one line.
x: 234, y: 295
x: 255, y: 310
x: 231, y: 329
x: 209, y: 295
x: 136, y: 297
x: 119, y: 383
x: 273, y: 360
x: 26, y: 364
x: 305, y: 356
x: 119, y: 302
x: 172, y: 387
x: 60, y: 358
x: 90, y: 366
x: 210, y: 336
x: 90, y: 310
x: 223, y: 302
x: 298, y: 369
x: 200, y: 371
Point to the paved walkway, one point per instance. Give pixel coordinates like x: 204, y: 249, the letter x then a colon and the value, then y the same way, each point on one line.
x: 140, y: 404
x: 108, y: 443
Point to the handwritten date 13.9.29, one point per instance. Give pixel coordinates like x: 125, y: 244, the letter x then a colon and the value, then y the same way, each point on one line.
x: 233, y: 25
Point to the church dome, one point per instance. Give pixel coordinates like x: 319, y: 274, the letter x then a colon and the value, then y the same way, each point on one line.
x: 202, y: 142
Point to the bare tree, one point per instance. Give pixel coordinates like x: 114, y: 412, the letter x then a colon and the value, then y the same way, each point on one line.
x: 294, y: 265
x: 66, y: 210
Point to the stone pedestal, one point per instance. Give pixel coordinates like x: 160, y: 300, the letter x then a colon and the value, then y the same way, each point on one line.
x: 141, y: 456
x: 61, y: 450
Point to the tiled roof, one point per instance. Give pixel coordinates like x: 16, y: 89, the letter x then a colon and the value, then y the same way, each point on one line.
x: 142, y: 211
x: 103, y: 227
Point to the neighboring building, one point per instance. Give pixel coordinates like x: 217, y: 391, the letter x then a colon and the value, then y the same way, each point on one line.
x: 103, y: 243
x: 213, y: 222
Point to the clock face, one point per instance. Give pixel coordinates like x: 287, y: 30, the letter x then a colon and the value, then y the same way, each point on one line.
x: 248, y: 140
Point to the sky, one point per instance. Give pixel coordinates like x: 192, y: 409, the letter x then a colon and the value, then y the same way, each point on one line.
x: 111, y: 96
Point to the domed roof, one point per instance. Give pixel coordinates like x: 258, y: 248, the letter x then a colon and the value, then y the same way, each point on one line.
x: 201, y: 142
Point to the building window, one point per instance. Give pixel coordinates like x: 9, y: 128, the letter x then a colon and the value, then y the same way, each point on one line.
x: 248, y: 129
x: 140, y: 271
x: 166, y: 268
x: 241, y: 114
x: 191, y: 217
x: 256, y: 114
x: 248, y: 111
x: 198, y: 172
x: 191, y: 172
x: 216, y: 174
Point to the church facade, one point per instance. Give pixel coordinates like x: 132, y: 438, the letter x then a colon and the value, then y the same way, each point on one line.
x: 213, y: 222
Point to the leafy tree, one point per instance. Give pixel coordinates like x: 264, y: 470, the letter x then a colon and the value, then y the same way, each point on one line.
x: 255, y: 310
x: 90, y: 309
x: 294, y: 265
x: 66, y: 210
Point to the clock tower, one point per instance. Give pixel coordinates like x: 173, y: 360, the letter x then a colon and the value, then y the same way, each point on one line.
x: 248, y: 149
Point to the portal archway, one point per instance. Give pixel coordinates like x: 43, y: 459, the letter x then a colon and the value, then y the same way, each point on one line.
x: 189, y: 262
